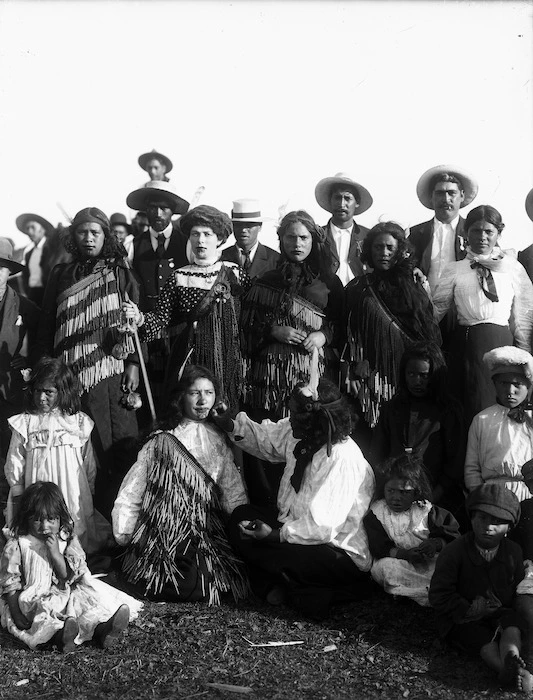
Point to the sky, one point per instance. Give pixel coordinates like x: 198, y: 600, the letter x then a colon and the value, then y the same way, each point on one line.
x: 263, y: 99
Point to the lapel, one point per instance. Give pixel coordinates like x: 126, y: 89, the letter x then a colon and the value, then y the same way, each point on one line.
x: 332, y: 246
x: 232, y: 254
x: 258, y: 263
x: 460, y: 240
x: 10, y: 333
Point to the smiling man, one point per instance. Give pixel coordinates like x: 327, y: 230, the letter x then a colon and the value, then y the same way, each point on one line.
x: 344, y: 198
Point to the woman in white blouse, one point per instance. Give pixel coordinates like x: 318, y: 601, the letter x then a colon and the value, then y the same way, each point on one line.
x: 313, y: 548
x: 493, y: 298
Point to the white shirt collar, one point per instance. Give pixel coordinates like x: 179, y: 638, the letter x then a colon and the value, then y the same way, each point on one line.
x: 167, y: 232
x: 253, y: 251
x: 453, y: 223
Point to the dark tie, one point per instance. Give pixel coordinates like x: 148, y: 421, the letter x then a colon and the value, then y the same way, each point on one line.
x: 246, y: 262
x: 160, y: 250
x: 486, y: 280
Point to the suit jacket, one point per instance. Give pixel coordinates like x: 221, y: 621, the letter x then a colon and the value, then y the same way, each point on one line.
x: 265, y: 259
x: 421, y: 238
x: 357, y: 237
x: 525, y: 257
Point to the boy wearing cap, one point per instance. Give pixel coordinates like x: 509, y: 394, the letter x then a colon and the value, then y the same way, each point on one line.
x: 473, y: 589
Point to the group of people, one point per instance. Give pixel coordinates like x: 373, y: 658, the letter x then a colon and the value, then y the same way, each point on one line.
x: 313, y: 421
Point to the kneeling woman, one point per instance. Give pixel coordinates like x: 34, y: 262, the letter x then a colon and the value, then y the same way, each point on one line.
x: 314, y: 548
x: 171, y: 505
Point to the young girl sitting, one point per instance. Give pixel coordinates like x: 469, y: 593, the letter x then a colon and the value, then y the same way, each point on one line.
x: 48, y: 596
x: 405, y: 531
x: 474, y: 585
x: 171, y: 505
x: 51, y: 442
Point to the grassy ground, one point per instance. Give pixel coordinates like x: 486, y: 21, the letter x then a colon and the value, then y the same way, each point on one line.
x: 374, y: 649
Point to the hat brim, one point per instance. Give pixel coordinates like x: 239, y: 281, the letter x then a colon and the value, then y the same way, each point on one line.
x: 529, y: 204
x: 144, y: 159
x: 139, y: 199
x: 11, y: 265
x: 493, y: 510
x: 324, y: 187
x: 22, y: 221
x: 254, y: 220
x: 470, y: 186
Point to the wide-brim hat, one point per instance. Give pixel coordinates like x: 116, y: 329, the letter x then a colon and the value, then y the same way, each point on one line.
x: 469, y: 184
x: 324, y: 187
x: 247, y: 210
x: 6, y: 256
x: 23, y: 220
x: 509, y: 359
x: 139, y: 199
x: 529, y: 204
x: 496, y: 500
x: 120, y: 220
x: 146, y: 157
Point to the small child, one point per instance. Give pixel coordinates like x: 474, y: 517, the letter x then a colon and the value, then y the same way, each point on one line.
x: 473, y: 588
x: 51, y: 442
x: 500, y: 439
x: 405, y: 531
x: 48, y: 596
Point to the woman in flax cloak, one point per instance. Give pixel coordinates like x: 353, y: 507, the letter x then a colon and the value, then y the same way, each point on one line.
x: 387, y: 310
x: 81, y: 323
x: 172, y: 504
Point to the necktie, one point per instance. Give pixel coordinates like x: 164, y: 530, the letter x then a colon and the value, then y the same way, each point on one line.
x: 486, y: 280
x: 160, y: 250
x: 246, y: 262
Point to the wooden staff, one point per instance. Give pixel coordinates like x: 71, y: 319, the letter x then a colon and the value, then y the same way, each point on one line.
x: 143, y: 366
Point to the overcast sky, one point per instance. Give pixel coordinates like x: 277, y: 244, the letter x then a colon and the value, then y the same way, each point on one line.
x: 263, y: 99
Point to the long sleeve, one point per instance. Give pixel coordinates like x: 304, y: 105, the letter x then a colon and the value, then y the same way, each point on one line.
x: 75, y: 558
x: 267, y: 440
x: 521, y: 322
x: 157, y: 320
x: 230, y: 482
x: 47, y: 322
x: 443, y: 593
x: 473, y: 476
x: 441, y: 523
x: 10, y: 568
x: 333, y: 327
x: 89, y: 464
x: 444, y: 292
x: 379, y: 542
x: 129, y: 499
x: 15, y: 466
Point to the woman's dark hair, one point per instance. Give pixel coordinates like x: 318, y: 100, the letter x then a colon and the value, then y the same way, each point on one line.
x: 405, y: 468
x: 484, y: 213
x: 315, y: 413
x: 112, y: 248
x: 319, y: 259
x: 174, y: 413
x: 205, y: 215
x: 438, y: 370
x: 42, y: 497
x: 404, y: 251
x: 54, y: 371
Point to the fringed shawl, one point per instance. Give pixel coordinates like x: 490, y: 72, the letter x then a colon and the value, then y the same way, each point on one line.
x: 179, y: 523
x: 88, y: 313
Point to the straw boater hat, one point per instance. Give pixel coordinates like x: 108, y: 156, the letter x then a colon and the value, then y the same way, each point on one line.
x: 509, y: 359
x: 529, y: 204
x: 139, y: 199
x: 470, y: 186
x: 496, y: 500
x: 247, y: 210
x: 146, y: 157
x: 6, y: 256
x: 24, y: 219
x: 323, y: 192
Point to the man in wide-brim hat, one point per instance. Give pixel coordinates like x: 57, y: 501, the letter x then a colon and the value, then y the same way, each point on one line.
x: 344, y: 198
x: 248, y: 252
x: 445, y: 189
x: 526, y: 256
x: 156, y: 165
x: 35, y: 275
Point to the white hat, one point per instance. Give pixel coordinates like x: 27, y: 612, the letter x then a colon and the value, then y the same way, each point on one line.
x: 247, y: 210
x: 324, y: 187
x: 509, y: 359
x: 469, y: 185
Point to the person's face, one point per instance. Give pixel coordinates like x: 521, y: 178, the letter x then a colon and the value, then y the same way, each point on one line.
x: 156, y: 169
x: 90, y: 239
x: 417, y: 373
x: 120, y: 232
x: 343, y: 205
x: 159, y: 214
x: 489, y: 531
x: 246, y: 233
x: 35, y: 231
x: 204, y: 242
x: 511, y: 389
x: 297, y: 242
x: 482, y: 237
x: 42, y: 524
x: 140, y: 222
x: 298, y: 419
x: 199, y: 399
x: 384, y: 247
x: 446, y: 200
x: 399, y: 495
x: 45, y: 397
x: 4, y: 276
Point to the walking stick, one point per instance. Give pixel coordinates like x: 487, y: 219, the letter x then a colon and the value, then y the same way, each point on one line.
x: 143, y: 366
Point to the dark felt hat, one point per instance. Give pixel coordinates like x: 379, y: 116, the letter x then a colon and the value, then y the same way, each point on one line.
x: 145, y: 158
x: 154, y: 190
x: 496, y: 500
x: 120, y: 220
x: 6, y: 256
x: 24, y: 219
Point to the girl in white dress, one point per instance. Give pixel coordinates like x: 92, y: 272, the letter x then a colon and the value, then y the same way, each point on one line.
x: 48, y: 596
x: 51, y: 442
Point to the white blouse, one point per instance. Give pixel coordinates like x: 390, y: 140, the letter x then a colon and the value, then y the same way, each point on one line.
x: 335, y: 493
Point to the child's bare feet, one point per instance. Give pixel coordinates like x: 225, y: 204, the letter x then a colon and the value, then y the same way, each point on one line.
x: 524, y: 680
x: 68, y: 634
x: 106, y: 633
x: 509, y: 673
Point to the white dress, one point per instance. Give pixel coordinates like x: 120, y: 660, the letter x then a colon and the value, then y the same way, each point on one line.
x: 205, y: 442
x: 26, y: 566
x: 57, y: 447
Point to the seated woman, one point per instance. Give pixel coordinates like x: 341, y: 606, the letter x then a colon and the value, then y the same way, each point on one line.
x: 493, y: 298
x: 171, y: 505
x: 387, y: 310
x: 288, y: 312
x: 314, y: 547
x: 201, y: 303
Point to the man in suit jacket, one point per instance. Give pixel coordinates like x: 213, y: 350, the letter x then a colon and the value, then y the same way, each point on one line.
x: 36, y: 269
x: 344, y: 197
x: 445, y: 189
x: 526, y: 256
x: 248, y: 252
